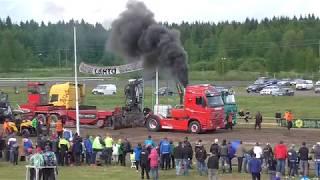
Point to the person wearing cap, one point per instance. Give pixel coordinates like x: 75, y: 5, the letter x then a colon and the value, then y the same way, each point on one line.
x: 316, y: 151
x: 37, y: 161
x: 50, y: 159
x: 215, y: 148
x: 281, y: 154
x: 304, y: 157
x: 292, y: 158
x: 165, y: 153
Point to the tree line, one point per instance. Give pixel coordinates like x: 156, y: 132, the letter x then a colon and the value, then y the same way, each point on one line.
x: 270, y: 45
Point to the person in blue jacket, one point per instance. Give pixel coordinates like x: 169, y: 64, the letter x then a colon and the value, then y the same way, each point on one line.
x: 165, y: 150
x: 255, y: 167
x: 149, y: 143
x: 137, y: 153
x: 88, y: 149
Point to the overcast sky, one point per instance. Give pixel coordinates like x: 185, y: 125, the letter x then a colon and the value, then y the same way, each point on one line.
x: 104, y: 11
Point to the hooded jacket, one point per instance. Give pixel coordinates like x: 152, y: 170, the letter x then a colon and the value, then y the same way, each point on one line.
x: 154, y: 158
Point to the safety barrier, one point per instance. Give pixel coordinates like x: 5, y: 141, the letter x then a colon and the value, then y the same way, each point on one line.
x: 303, y: 123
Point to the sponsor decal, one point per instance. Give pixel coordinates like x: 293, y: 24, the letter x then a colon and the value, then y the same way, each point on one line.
x: 110, y: 70
x: 167, y: 127
x: 87, y: 116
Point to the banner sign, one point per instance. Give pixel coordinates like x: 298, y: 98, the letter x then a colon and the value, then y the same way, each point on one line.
x: 110, y: 70
x: 303, y: 123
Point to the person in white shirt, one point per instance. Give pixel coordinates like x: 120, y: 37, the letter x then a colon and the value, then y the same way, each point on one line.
x: 115, y: 152
x: 258, y: 151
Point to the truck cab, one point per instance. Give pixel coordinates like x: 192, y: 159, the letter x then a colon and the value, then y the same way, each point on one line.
x: 229, y: 101
x: 202, y: 110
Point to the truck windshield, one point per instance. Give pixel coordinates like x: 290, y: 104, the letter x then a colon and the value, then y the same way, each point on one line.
x: 230, y: 99
x: 214, y: 101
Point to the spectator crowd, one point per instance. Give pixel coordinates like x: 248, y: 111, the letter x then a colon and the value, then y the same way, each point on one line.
x: 149, y: 157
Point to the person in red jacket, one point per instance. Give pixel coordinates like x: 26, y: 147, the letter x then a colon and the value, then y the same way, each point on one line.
x: 280, y: 154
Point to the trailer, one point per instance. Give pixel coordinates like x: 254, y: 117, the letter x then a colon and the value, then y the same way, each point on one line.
x: 60, y: 104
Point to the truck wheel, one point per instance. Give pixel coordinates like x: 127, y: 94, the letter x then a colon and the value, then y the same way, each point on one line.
x: 194, y: 127
x: 100, y: 123
x: 153, y: 124
x: 110, y: 123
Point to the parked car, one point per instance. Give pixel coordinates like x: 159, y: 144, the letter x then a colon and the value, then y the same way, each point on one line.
x: 269, y: 90
x: 317, y: 88
x: 105, y: 89
x: 255, y: 88
x: 272, y: 81
x: 304, y: 85
x: 164, y: 91
x: 284, y: 82
x: 283, y: 92
x: 317, y: 83
x: 295, y: 81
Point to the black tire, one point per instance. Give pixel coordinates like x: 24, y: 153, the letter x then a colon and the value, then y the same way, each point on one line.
x: 100, y: 123
x: 110, y: 123
x: 94, y: 92
x: 153, y: 124
x: 194, y: 127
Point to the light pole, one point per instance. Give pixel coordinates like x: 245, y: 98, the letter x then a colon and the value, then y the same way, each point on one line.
x: 222, y: 66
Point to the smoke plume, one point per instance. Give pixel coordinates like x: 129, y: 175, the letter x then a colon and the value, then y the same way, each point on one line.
x: 135, y: 35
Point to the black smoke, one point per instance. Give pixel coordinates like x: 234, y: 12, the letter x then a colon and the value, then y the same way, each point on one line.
x: 136, y: 35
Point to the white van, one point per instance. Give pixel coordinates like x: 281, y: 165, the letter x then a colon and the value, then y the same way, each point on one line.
x: 105, y: 89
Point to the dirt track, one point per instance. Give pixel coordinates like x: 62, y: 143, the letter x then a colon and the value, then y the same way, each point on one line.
x: 247, y: 135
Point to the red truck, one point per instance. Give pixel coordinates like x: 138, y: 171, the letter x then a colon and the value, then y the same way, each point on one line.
x: 202, y: 110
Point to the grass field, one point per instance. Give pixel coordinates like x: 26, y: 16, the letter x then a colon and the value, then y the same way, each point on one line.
x: 10, y: 172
